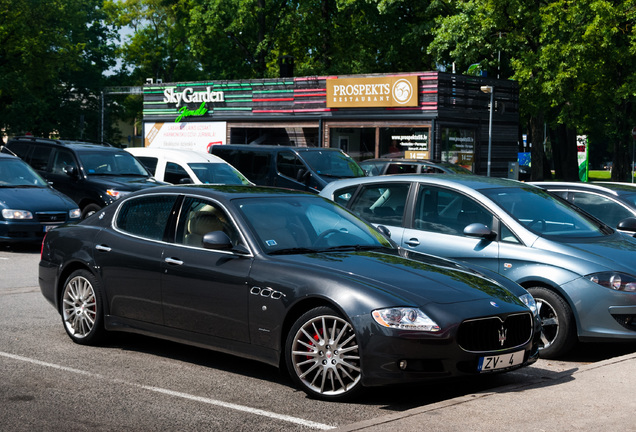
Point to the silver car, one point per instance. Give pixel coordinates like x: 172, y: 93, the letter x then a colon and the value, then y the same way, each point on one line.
x: 581, y: 272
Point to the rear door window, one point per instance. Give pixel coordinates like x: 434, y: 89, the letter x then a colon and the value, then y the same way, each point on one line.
x: 146, y: 216
x: 381, y: 203
x: 40, y: 157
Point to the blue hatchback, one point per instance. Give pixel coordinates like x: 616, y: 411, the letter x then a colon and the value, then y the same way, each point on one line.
x: 29, y: 206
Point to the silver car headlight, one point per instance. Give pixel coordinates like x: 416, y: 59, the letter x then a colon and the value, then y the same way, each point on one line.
x: 75, y: 213
x: 614, y: 280
x: 405, y: 318
x: 16, y: 214
x: 529, y: 301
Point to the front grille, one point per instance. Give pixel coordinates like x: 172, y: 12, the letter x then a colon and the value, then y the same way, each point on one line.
x: 495, y: 333
x: 56, y: 217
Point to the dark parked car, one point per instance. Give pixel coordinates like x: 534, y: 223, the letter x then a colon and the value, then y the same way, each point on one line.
x: 287, y: 278
x: 92, y: 175
x: 385, y: 166
x: 30, y: 207
x: 581, y: 272
x: 609, y: 202
x: 301, y: 168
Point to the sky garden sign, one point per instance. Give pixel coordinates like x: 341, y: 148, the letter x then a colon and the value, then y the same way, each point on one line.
x: 188, y: 96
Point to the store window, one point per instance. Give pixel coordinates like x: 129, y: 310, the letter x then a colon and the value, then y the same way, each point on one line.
x: 407, y: 142
x: 380, y: 140
x: 458, y: 146
x: 359, y: 143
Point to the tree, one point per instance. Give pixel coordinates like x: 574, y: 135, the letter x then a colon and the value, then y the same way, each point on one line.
x: 156, y: 42
x: 573, y: 60
x: 50, y: 77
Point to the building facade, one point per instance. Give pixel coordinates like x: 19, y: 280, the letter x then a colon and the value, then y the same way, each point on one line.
x: 428, y: 115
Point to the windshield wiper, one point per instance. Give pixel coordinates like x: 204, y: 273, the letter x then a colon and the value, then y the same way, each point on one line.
x: 354, y: 247
x: 292, y: 251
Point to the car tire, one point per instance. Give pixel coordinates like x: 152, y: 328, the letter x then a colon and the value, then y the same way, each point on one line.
x: 322, y: 355
x: 82, y: 308
x: 89, y: 210
x: 558, y: 334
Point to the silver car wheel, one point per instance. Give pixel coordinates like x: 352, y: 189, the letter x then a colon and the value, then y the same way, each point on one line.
x: 549, y: 322
x: 325, y: 356
x: 79, y: 308
x: 558, y: 335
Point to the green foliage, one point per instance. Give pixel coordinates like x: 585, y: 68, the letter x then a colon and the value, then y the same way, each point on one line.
x: 574, y: 60
x: 52, y: 55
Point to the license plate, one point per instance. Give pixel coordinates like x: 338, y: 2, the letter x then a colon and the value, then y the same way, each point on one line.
x: 48, y: 228
x: 503, y: 361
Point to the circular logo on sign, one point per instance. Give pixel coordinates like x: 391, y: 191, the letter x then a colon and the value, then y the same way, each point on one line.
x: 402, y: 91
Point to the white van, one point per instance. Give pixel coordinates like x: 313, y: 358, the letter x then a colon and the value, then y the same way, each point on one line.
x: 187, y: 166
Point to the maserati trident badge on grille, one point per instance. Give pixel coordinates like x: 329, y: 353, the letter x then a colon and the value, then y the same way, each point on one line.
x: 502, y: 335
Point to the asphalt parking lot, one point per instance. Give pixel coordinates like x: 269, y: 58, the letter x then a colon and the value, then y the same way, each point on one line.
x: 140, y: 383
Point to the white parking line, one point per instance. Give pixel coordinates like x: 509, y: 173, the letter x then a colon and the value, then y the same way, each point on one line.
x: 255, y: 411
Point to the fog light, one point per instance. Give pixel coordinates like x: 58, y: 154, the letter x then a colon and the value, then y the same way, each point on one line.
x: 402, y: 364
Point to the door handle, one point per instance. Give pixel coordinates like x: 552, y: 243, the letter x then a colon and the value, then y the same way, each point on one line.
x: 102, y: 248
x: 413, y: 242
x: 173, y: 261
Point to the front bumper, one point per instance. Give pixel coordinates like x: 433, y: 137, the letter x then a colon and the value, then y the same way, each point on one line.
x: 24, y: 231
x: 427, y: 357
x: 602, y: 314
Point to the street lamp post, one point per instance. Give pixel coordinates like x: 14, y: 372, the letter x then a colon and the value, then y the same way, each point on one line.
x: 491, y: 90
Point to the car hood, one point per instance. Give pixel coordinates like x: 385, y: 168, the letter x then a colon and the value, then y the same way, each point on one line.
x: 132, y: 183
x: 422, y: 281
x: 615, y: 252
x: 35, y: 199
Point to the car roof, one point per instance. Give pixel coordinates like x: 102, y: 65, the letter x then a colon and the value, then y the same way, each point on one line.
x: 62, y: 142
x: 405, y: 160
x: 600, y: 187
x: 184, y: 156
x: 464, y: 182
x: 224, y: 192
x: 8, y: 156
x: 258, y: 147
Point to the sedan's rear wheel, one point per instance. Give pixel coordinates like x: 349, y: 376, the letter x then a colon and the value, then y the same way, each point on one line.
x: 323, y: 356
x: 559, y: 329
x: 82, y: 308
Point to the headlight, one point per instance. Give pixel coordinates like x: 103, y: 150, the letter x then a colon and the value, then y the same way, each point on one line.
x: 405, y: 319
x: 614, y: 280
x: 16, y: 214
x: 528, y: 300
x: 75, y: 213
x: 116, y: 194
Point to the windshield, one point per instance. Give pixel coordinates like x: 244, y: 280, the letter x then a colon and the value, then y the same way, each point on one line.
x: 630, y: 198
x: 306, y: 224
x: 544, y: 214
x: 218, y: 173
x: 332, y: 164
x: 112, y: 163
x: 15, y: 173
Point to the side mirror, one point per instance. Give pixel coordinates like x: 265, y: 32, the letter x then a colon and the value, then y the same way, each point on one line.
x: 384, y: 231
x: 217, y: 240
x: 186, y: 180
x: 70, y: 171
x: 628, y: 224
x: 303, y: 175
x: 479, y: 230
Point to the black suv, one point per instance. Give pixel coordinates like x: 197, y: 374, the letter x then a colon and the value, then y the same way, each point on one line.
x: 93, y: 175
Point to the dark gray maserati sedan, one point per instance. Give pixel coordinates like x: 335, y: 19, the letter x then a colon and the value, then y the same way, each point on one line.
x: 287, y: 278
